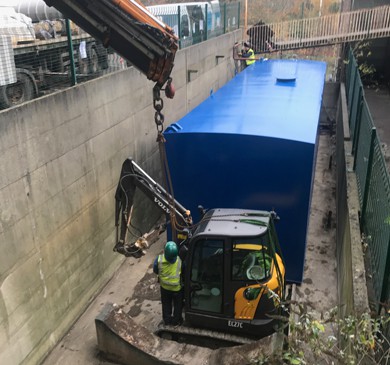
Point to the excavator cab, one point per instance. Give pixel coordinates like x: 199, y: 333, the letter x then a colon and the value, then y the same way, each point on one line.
x: 234, y: 276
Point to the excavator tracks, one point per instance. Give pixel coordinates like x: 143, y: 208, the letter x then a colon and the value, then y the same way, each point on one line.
x: 201, y: 337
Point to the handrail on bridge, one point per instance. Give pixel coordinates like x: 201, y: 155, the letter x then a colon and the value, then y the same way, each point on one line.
x: 321, y: 31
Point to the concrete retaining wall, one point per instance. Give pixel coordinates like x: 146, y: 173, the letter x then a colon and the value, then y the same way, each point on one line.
x: 60, y: 158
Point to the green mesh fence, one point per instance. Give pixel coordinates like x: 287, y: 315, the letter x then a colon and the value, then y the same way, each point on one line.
x: 356, y: 103
x: 231, y: 16
x: 354, y: 93
x: 348, y: 71
x: 197, y: 23
x: 353, y: 73
x: 376, y: 221
x: 362, y: 147
x: 373, y: 184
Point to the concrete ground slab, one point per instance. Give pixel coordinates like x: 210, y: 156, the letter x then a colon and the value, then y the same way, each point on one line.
x: 79, y: 346
x: 319, y: 287
x: 135, y: 290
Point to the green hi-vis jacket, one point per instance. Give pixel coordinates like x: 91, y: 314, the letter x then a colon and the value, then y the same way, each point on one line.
x: 169, y: 274
x: 251, y: 59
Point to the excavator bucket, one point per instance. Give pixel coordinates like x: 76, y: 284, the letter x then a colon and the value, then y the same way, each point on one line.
x: 132, y: 177
x: 124, y: 199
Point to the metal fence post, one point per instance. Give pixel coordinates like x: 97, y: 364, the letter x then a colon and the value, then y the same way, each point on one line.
x: 368, y: 177
x: 205, y: 25
x: 179, y: 26
x: 348, y: 71
x: 385, y: 282
x: 71, y: 57
x: 238, y: 14
x: 356, y: 130
x: 352, y: 83
x: 224, y: 18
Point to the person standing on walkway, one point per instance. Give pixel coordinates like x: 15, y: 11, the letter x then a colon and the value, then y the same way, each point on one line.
x: 248, y: 54
x: 168, y: 267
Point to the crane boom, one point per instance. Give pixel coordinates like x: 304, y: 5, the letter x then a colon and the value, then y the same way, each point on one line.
x: 130, y: 29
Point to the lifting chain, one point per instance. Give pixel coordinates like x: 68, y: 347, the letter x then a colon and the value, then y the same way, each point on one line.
x: 158, y: 104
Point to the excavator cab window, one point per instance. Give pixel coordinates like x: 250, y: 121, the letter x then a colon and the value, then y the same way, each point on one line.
x: 207, y: 276
x: 251, y: 259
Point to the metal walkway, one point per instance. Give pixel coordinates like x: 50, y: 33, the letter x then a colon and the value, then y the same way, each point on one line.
x: 326, y: 30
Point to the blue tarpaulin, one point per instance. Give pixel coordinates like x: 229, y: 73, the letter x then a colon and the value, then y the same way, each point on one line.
x: 252, y: 144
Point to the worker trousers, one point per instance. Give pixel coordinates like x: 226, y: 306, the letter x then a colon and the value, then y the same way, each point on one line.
x: 172, y: 306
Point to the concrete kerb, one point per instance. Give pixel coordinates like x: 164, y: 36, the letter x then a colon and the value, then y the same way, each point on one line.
x: 359, y: 283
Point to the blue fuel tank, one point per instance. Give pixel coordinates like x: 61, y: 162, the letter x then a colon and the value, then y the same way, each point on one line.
x: 252, y: 145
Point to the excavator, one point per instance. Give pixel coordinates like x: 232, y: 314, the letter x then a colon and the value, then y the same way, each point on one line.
x: 234, y: 277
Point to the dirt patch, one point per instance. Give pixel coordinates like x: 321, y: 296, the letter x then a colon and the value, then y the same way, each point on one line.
x: 134, y: 311
x: 147, y: 289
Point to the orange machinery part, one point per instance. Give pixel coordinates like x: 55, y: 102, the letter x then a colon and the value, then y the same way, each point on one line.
x: 141, y: 14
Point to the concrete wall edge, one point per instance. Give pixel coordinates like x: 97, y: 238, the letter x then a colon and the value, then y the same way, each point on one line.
x: 359, y: 282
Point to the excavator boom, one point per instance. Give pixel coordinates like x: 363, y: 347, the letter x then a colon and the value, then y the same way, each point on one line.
x: 130, y: 29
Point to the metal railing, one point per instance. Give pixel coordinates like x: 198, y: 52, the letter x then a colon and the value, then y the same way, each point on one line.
x: 373, y: 184
x: 321, y: 31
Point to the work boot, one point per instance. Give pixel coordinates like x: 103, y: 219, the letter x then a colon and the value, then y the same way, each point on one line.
x: 177, y: 324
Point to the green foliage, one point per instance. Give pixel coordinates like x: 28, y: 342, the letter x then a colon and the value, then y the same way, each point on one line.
x: 362, y: 53
x: 356, y: 339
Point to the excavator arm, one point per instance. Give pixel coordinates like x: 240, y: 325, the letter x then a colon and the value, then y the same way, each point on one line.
x: 130, y: 29
x: 131, y: 178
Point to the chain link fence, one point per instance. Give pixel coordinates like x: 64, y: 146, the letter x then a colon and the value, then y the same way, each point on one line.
x: 43, y: 56
x: 373, y: 185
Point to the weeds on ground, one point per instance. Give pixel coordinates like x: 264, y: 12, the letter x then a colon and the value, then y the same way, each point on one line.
x: 330, y: 340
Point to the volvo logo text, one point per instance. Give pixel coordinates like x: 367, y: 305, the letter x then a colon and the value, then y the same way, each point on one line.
x: 161, y: 205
